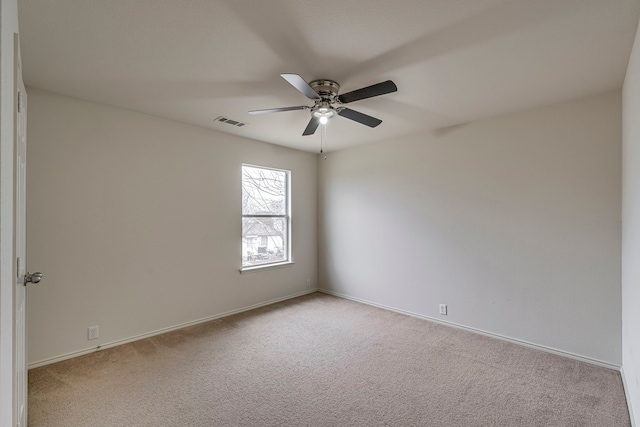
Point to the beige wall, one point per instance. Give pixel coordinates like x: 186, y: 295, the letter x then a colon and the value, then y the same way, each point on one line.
x: 135, y: 223
x: 514, y: 222
x: 631, y: 231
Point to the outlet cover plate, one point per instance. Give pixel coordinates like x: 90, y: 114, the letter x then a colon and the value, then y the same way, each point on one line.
x: 92, y: 333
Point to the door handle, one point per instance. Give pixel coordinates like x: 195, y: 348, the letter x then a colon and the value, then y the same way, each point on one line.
x: 32, y: 278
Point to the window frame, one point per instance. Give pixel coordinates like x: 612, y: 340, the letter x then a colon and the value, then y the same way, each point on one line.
x: 286, y: 216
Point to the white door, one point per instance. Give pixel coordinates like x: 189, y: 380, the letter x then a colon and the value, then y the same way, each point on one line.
x: 20, y: 109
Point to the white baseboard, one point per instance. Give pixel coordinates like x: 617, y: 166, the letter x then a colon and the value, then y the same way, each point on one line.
x: 337, y: 294
x: 626, y: 394
x: 163, y: 330
x: 479, y: 331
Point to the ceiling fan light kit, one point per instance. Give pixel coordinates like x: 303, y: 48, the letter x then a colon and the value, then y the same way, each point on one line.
x: 323, y: 111
x: 327, y: 102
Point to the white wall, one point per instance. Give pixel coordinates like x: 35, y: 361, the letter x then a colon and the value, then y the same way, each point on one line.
x: 631, y: 231
x: 514, y: 222
x: 135, y: 223
x: 8, y: 26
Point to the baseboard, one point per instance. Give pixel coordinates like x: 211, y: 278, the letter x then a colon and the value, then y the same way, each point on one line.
x: 626, y: 394
x: 337, y: 294
x: 163, y: 330
x: 479, y: 331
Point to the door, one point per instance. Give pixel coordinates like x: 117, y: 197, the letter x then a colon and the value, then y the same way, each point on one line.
x: 20, y: 109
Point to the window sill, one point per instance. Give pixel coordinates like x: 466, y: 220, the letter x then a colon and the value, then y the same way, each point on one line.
x: 254, y: 269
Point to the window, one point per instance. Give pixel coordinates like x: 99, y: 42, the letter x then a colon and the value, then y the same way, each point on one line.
x: 265, y: 216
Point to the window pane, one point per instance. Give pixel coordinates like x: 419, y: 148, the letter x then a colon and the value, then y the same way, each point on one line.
x: 264, y: 191
x: 264, y: 240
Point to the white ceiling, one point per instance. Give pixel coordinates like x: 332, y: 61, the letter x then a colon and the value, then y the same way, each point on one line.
x: 454, y: 61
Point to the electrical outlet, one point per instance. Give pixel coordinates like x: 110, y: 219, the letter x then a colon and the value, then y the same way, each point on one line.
x: 443, y: 309
x: 92, y: 332
x: 308, y: 283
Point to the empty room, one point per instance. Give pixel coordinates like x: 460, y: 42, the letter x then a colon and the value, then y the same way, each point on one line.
x: 347, y: 213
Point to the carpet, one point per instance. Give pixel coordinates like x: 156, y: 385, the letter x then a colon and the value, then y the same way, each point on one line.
x: 320, y: 360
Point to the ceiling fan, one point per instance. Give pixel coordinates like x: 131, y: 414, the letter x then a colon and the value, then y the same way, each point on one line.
x: 327, y: 102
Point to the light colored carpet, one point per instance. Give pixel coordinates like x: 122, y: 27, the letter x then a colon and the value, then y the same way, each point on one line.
x: 319, y: 360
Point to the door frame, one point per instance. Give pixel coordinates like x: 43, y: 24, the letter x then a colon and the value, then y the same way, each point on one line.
x: 20, y: 239
x: 8, y: 268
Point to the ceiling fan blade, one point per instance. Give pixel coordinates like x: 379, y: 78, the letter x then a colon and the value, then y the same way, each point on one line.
x: 299, y: 83
x: 368, y: 92
x: 278, y: 110
x: 359, y: 117
x: 311, y: 127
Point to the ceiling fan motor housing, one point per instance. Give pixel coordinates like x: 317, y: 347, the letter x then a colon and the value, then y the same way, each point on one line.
x: 327, y: 89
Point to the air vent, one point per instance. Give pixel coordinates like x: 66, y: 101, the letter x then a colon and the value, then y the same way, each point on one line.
x: 229, y: 121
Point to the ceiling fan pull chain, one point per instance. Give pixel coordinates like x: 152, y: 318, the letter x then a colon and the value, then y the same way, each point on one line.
x: 323, y: 134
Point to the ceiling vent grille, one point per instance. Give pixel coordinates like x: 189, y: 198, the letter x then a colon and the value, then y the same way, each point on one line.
x: 229, y: 121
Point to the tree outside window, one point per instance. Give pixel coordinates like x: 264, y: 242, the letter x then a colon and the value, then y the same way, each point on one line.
x: 265, y: 216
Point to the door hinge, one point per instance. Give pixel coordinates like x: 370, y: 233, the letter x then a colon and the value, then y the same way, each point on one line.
x: 19, y: 102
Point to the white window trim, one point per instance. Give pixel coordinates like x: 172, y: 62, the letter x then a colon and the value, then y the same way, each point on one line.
x: 274, y: 266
